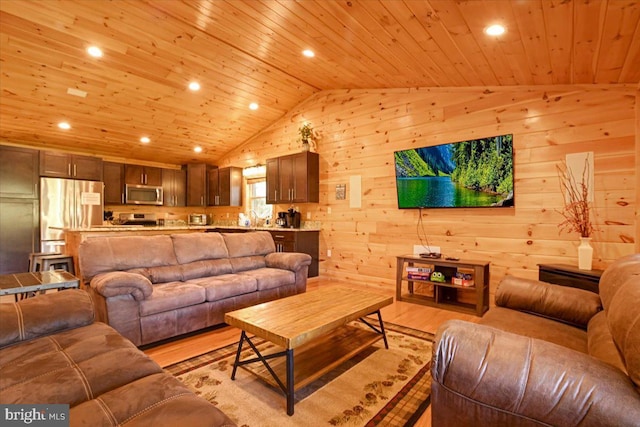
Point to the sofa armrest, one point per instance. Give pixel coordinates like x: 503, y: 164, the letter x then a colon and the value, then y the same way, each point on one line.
x: 44, y: 315
x: 569, y: 305
x: 483, y: 374
x: 122, y: 283
x: 293, y: 261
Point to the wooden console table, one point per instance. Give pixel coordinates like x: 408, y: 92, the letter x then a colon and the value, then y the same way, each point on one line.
x: 567, y: 275
x: 445, y: 295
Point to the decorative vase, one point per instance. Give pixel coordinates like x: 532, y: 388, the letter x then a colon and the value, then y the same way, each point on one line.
x: 305, y: 145
x: 585, y: 254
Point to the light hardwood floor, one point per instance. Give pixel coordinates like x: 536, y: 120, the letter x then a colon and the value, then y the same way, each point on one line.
x: 407, y: 314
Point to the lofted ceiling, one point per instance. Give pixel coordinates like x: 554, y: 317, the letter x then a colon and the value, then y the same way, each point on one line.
x: 251, y: 51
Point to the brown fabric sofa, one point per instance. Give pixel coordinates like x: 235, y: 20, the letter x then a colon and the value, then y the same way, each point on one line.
x: 151, y: 288
x: 52, y: 352
x: 546, y: 355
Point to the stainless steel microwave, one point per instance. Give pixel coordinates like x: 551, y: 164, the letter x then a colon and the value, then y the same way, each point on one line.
x: 143, y: 195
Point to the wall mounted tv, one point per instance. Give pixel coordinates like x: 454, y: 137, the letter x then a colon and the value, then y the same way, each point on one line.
x: 465, y: 174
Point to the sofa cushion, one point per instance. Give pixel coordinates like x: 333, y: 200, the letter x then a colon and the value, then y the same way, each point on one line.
x: 171, y: 296
x: 249, y: 244
x: 226, y: 286
x: 103, y: 254
x: 34, y: 317
x: 600, y: 342
x: 536, y: 327
x: 191, y: 247
x: 247, y: 263
x: 155, y: 400
x: 70, y: 367
x: 623, y: 316
x: 270, y: 278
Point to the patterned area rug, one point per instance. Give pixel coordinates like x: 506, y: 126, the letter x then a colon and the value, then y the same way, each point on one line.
x: 378, y: 387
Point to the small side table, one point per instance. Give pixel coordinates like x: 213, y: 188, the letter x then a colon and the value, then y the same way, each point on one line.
x: 568, y: 275
x: 40, y: 281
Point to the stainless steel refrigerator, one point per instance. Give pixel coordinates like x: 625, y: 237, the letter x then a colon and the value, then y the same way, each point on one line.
x: 67, y: 203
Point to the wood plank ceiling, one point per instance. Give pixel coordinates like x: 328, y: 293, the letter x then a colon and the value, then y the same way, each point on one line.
x: 250, y: 51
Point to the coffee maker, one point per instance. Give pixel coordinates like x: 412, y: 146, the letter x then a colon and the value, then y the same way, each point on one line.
x: 293, y: 219
x: 281, y: 221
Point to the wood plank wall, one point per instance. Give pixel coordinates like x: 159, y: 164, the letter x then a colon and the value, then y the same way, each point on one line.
x: 360, y: 129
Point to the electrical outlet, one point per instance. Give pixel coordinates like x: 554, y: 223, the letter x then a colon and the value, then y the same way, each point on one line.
x: 329, y: 210
x: 308, y: 215
x: 227, y: 214
x: 328, y: 253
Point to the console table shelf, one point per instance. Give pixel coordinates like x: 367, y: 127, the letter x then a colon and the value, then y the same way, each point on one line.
x: 445, y: 295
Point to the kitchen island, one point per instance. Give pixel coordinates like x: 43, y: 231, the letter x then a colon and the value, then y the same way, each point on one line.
x: 304, y: 240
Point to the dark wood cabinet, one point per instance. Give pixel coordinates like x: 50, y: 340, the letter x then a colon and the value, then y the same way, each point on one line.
x: 174, y: 186
x: 142, y: 175
x: 225, y: 187
x: 197, y: 184
x: 273, y: 180
x: 567, y: 275
x: 19, y: 207
x: 307, y: 242
x: 294, y: 178
x: 19, y: 172
x: 63, y: 165
x: 113, y: 174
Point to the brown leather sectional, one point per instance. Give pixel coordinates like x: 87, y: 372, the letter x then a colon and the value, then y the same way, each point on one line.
x: 545, y: 355
x: 52, y: 352
x: 150, y: 288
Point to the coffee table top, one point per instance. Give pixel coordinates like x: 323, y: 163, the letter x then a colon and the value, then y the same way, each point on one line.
x: 38, y: 281
x: 293, y: 321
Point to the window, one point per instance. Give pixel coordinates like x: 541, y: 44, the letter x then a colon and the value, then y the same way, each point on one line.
x: 257, y: 199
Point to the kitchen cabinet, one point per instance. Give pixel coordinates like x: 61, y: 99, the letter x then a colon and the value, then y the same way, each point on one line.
x: 197, y: 183
x: 19, y: 207
x: 19, y: 174
x: 225, y: 187
x: 294, y: 178
x: 307, y: 242
x: 113, y: 183
x: 174, y: 186
x: 63, y: 165
x: 142, y: 175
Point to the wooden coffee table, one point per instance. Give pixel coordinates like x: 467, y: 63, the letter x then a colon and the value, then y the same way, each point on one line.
x: 315, y: 326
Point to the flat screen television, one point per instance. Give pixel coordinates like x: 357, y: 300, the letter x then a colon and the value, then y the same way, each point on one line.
x: 464, y: 174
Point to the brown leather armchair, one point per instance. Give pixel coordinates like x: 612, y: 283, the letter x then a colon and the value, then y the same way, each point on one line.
x: 545, y: 355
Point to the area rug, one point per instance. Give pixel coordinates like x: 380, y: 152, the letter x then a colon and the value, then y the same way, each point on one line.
x: 378, y: 387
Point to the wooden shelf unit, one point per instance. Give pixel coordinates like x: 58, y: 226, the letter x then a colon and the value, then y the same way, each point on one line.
x: 444, y: 295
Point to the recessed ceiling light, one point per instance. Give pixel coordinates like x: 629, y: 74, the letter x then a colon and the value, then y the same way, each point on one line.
x: 253, y: 106
x: 197, y: 149
x: 494, y: 30
x: 194, y: 86
x: 145, y: 140
x: 308, y: 53
x: 94, y: 51
x: 64, y: 125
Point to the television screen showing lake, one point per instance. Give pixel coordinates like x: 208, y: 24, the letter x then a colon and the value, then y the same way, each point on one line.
x: 474, y: 173
x: 440, y: 192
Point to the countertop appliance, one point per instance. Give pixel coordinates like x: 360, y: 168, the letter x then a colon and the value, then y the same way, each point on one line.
x: 281, y: 221
x: 291, y: 219
x: 143, y: 195
x: 67, y: 203
x: 197, y: 219
x: 144, y: 219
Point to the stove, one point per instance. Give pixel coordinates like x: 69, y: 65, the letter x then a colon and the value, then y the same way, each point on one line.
x: 144, y: 219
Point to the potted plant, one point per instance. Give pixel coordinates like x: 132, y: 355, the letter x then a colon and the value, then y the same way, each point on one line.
x: 577, y: 211
x: 306, y: 135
